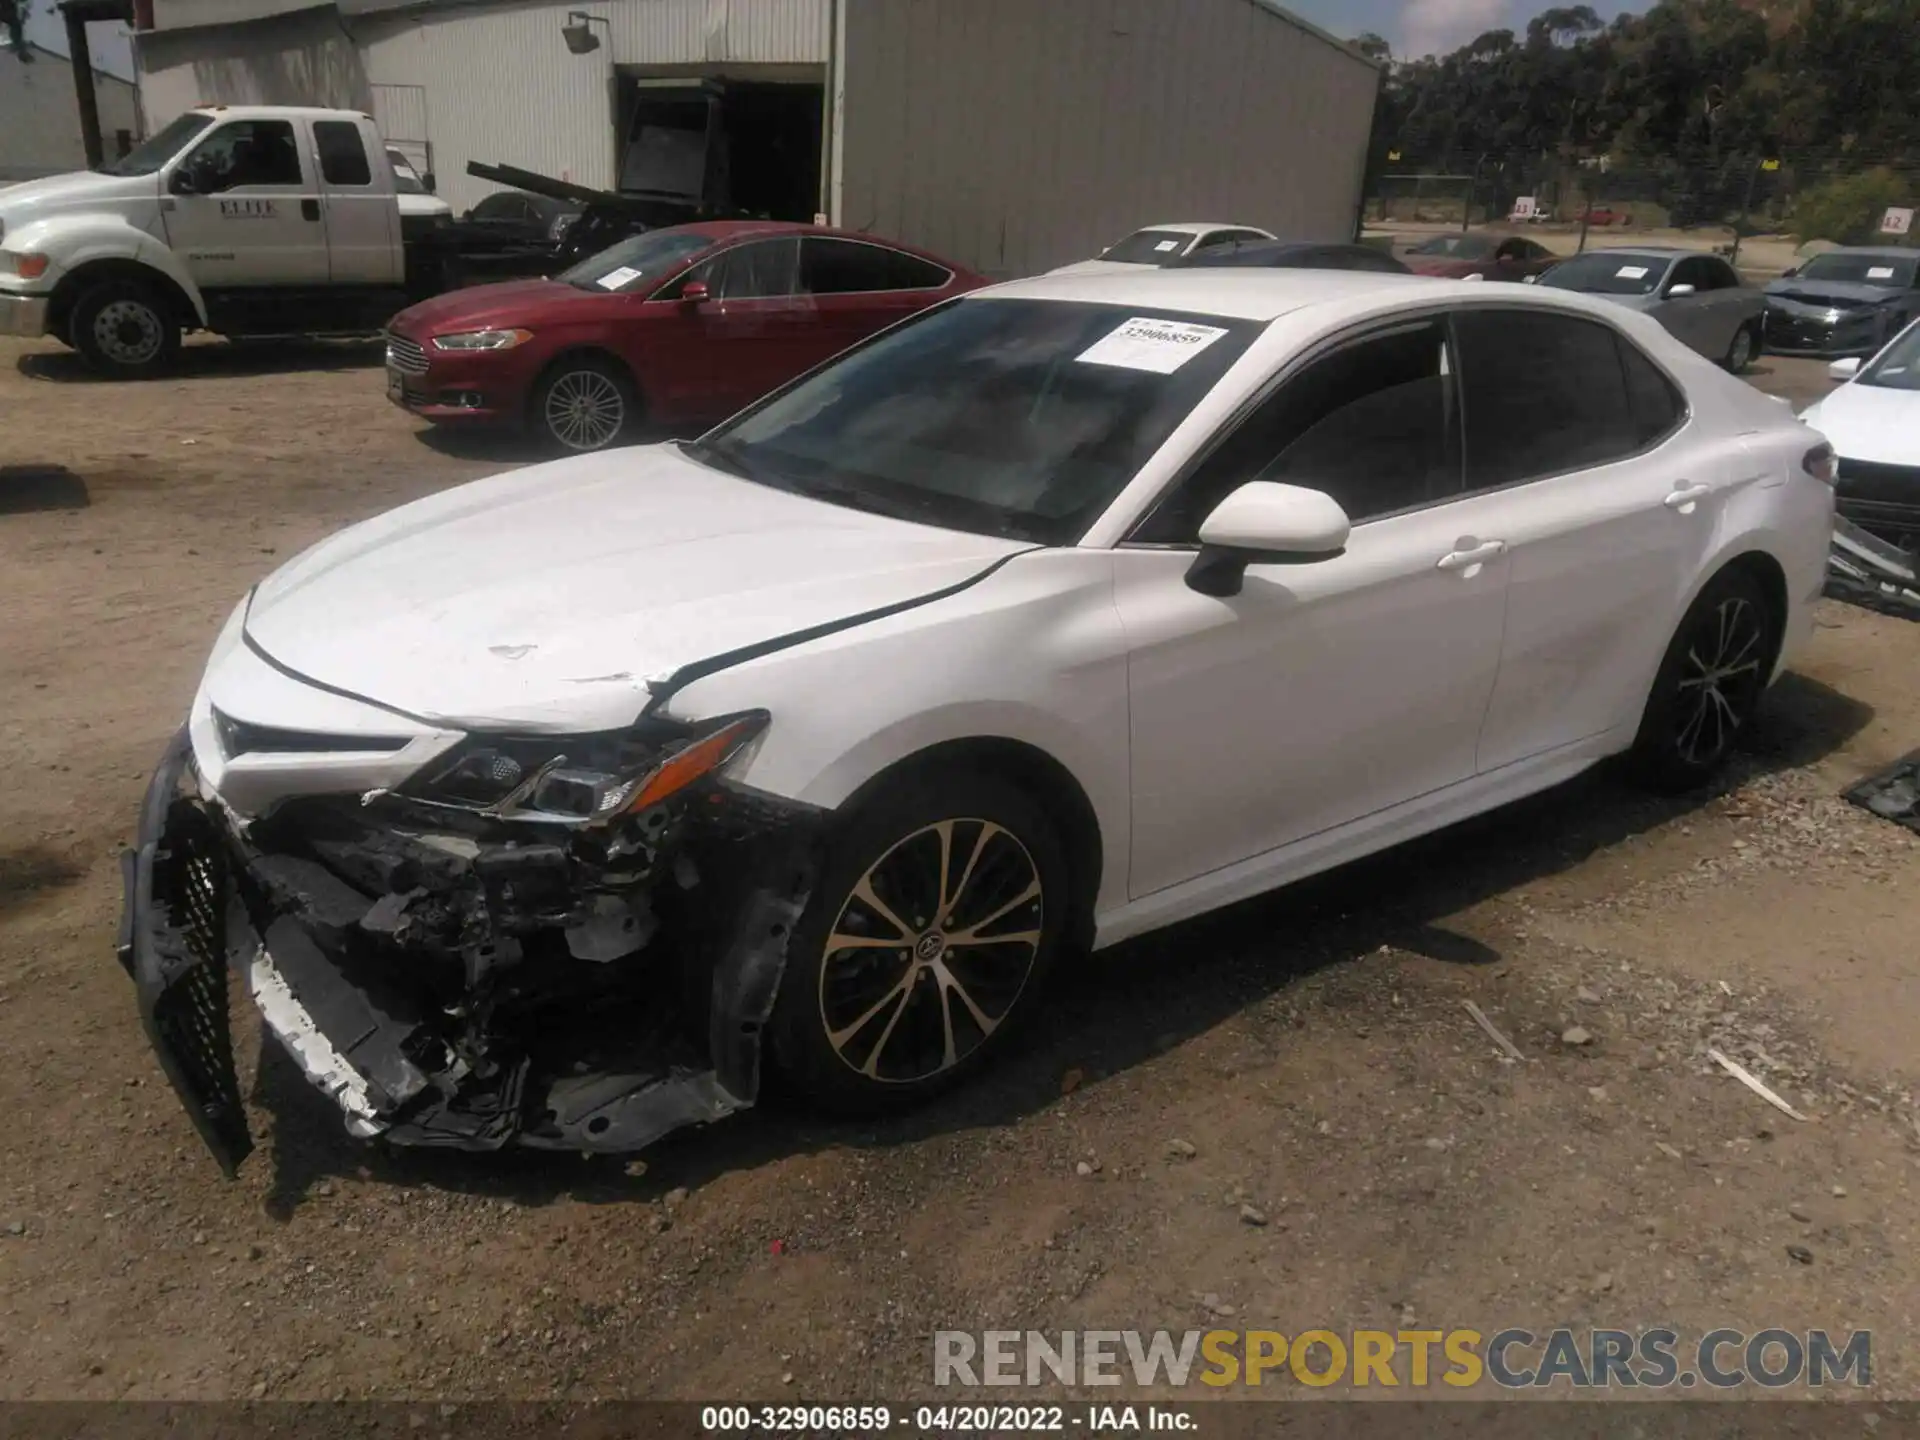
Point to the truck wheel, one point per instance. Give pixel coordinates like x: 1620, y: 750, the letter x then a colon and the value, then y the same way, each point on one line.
x: 125, y: 329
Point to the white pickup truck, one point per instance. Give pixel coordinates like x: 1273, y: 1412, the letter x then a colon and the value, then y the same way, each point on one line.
x: 245, y: 220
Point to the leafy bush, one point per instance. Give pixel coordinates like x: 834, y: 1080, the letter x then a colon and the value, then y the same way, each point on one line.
x: 1849, y: 210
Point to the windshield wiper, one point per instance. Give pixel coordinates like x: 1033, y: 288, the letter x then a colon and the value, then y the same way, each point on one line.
x: 715, y: 458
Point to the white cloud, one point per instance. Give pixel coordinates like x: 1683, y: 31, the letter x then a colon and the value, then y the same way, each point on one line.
x: 1434, y: 27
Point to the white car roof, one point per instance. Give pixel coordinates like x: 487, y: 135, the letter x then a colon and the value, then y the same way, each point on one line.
x: 1258, y: 294
x: 1198, y: 227
x: 1230, y: 293
x: 278, y: 112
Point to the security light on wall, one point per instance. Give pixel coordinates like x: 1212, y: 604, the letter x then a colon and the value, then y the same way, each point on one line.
x: 578, y: 31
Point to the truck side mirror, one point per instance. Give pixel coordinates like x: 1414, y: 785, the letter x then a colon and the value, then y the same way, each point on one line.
x: 428, y: 183
x: 181, y: 183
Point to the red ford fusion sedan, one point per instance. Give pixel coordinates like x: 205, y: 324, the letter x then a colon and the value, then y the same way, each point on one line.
x: 681, y: 326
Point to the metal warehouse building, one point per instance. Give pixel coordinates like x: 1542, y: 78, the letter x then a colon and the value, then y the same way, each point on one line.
x: 1010, y: 135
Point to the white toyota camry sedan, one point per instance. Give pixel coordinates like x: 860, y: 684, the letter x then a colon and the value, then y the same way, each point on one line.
x: 568, y: 807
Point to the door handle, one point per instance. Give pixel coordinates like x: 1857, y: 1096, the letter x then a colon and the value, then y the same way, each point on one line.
x: 1685, y: 497
x: 1471, y: 555
x: 310, y: 209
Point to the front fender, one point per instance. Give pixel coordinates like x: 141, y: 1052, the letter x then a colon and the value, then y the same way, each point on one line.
x: 73, y: 242
x: 1034, y: 653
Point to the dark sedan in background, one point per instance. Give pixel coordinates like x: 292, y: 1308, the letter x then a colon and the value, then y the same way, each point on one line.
x: 682, y: 325
x: 1294, y: 255
x: 1477, y: 256
x: 1845, y: 302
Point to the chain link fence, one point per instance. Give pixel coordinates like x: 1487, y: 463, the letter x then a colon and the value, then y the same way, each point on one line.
x: 1762, y: 209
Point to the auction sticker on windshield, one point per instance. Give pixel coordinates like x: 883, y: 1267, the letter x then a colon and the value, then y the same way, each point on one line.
x: 1880, y: 272
x: 1631, y: 272
x: 614, y: 279
x: 1161, y: 346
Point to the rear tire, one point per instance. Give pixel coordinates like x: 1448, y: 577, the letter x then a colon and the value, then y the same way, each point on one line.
x: 1709, y: 686
x: 1745, y: 348
x: 871, y: 1026
x: 125, y: 329
x: 584, y: 403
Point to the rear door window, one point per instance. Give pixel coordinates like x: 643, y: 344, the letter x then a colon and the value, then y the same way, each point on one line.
x: 343, y: 154
x: 830, y: 266
x: 1543, y: 395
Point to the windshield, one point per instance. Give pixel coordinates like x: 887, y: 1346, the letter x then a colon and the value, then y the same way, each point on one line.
x: 1022, y: 418
x: 639, y: 262
x: 150, y: 154
x: 1600, y: 273
x: 1150, y: 247
x: 406, y: 181
x: 1456, y: 247
x: 1898, y: 367
x: 1888, y: 270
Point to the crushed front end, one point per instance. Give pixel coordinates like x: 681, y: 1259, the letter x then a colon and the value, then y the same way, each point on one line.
x: 563, y: 942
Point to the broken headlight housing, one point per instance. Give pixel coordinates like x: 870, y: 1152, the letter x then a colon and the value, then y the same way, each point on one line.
x: 583, y: 780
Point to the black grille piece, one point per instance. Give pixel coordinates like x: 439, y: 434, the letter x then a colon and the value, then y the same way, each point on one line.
x: 237, y: 737
x: 409, y: 357
x: 184, y: 992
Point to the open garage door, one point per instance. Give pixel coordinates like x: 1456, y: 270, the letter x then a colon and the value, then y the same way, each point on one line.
x: 747, y: 146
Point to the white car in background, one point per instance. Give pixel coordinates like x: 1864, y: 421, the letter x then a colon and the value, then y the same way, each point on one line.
x: 1160, y: 245
x: 555, y: 808
x: 1873, y: 423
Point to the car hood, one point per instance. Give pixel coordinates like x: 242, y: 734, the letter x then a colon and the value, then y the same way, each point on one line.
x: 1872, y: 423
x: 545, y: 599
x: 1102, y: 267
x: 1822, y: 294
x: 482, y: 307
x: 61, y: 194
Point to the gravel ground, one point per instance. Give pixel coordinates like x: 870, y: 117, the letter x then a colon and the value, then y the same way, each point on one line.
x: 1280, y: 1116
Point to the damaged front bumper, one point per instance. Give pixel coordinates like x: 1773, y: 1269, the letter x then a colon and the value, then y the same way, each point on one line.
x: 531, y: 1034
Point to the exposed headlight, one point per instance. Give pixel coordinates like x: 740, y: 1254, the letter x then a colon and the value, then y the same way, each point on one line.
x: 561, y: 224
x: 587, y: 779
x: 482, y: 340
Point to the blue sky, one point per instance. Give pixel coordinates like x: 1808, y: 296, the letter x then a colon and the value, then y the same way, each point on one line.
x: 1424, y: 27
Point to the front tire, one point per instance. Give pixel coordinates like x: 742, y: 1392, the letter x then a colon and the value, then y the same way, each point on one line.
x: 1709, y: 685
x: 125, y: 329
x: 584, y: 403
x: 940, y: 909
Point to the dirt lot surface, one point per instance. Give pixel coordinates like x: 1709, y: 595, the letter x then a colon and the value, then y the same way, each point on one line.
x: 1310, y: 1052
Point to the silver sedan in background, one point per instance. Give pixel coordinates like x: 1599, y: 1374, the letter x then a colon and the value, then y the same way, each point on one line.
x: 1700, y: 299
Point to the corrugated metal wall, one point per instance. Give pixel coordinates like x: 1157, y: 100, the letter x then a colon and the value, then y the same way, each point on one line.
x: 1015, y: 135
x: 40, y: 122
x: 715, y: 32
x: 497, y: 85
x: 301, y: 59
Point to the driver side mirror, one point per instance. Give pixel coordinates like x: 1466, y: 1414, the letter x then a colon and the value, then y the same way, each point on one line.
x: 1679, y: 292
x: 695, y: 292
x: 1844, y: 369
x: 1264, y: 523
x: 181, y: 183
x: 1789, y: 272
x: 428, y: 183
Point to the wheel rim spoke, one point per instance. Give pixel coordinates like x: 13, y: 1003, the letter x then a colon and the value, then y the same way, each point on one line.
x: 896, y: 962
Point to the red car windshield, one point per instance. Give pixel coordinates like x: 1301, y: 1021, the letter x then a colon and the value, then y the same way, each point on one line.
x: 638, y: 263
